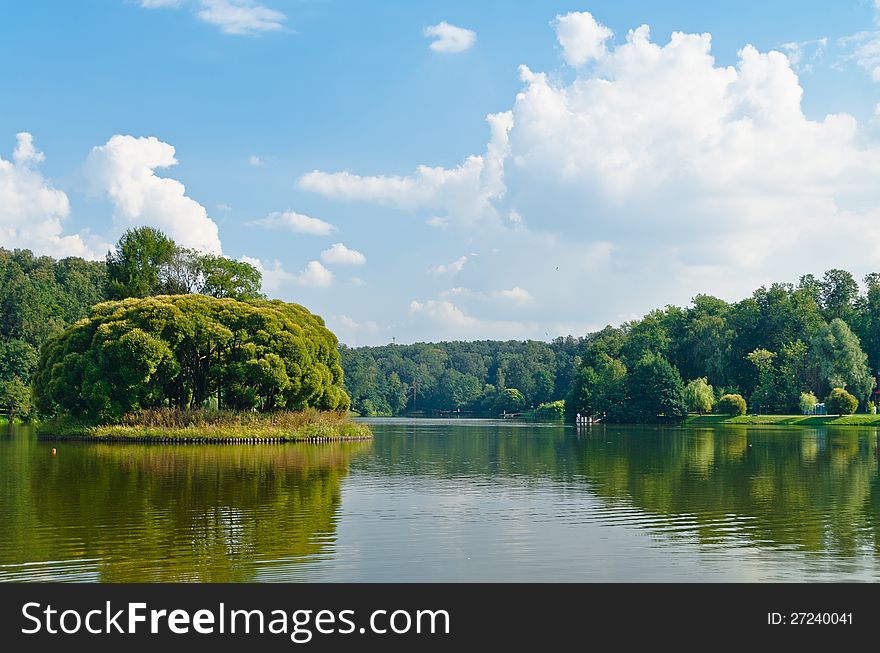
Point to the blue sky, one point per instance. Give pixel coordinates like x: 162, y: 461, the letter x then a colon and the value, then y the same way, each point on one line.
x: 332, y: 145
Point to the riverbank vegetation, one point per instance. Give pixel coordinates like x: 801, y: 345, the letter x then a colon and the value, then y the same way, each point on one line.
x: 164, y: 424
x: 784, y: 340
x: 184, y: 332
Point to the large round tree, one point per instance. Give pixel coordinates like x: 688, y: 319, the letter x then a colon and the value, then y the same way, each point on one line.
x: 181, y: 350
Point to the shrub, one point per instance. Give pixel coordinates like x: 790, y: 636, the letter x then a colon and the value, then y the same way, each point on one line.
x: 840, y: 402
x: 807, y: 402
x: 551, y: 411
x: 733, y: 405
x: 699, y: 396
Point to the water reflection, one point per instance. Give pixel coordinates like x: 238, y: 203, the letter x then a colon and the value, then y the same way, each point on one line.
x: 450, y: 501
x: 158, y: 513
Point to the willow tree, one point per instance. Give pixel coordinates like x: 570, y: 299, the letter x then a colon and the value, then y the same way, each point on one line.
x: 181, y: 350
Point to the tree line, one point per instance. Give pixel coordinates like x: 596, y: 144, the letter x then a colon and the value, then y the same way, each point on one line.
x: 41, y: 296
x: 767, y: 351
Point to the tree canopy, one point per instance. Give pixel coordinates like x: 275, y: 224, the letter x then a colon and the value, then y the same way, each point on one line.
x: 183, y: 350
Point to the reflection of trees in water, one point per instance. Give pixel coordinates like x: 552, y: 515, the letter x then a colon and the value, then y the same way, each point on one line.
x: 814, y: 490
x: 200, y: 513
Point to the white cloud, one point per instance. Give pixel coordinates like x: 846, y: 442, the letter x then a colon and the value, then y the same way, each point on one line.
x: 357, y: 282
x: 437, y: 222
x: 679, y: 175
x: 157, y: 4
x: 802, y: 54
x: 241, y: 17
x: 581, y: 37
x: 465, y: 193
x: 342, y: 255
x: 449, y: 38
x: 315, y: 274
x: 275, y: 278
x: 32, y: 210
x: 515, y: 294
x: 294, y: 221
x: 224, y: 207
x: 346, y: 322
x: 442, y: 319
x: 255, y: 161
x: 124, y: 169
x: 451, y: 268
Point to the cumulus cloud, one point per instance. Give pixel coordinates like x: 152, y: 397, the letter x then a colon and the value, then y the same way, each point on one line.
x: 581, y: 37
x: 451, y: 268
x: 32, y: 210
x: 315, y: 274
x: 449, y: 38
x: 124, y: 169
x: 441, y: 319
x: 255, y: 161
x: 157, y: 4
x: 342, y: 255
x: 465, y: 193
x: 802, y: 54
x: 293, y: 221
x: 678, y: 174
x: 241, y: 17
x: 276, y: 279
x: 515, y: 294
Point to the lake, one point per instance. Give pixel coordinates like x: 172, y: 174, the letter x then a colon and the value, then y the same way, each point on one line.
x: 449, y: 500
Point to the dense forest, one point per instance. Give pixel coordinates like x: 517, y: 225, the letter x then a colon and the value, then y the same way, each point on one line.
x: 41, y: 296
x: 784, y: 343
x: 783, y: 349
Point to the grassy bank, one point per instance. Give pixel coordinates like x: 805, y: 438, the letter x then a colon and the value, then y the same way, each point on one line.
x: 787, y: 420
x: 165, y: 425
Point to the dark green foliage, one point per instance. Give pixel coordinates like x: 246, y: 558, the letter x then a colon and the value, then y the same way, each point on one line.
x: 38, y: 297
x: 148, y: 263
x: 840, y: 402
x: 655, y: 390
x: 140, y: 265
x: 731, y: 404
x: 179, y: 351
x: 551, y: 411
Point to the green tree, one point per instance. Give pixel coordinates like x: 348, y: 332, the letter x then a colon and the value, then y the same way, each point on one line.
x: 181, y: 350
x: 840, y: 402
x: 224, y: 277
x: 731, y: 404
x: 699, y: 395
x: 138, y: 266
x: 839, y: 359
x: 807, y: 402
x: 510, y: 400
x: 764, y: 396
x: 837, y: 294
x: 655, y: 390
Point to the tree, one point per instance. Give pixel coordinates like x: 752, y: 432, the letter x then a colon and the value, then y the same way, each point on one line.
x: 699, y: 396
x: 807, y: 402
x: 138, y: 267
x: 765, y: 394
x: 223, y: 277
x: 510, y: 400
x: 837, y: 293
x: 840, y: 402
x: 731, y: 404
x: 839, y: 359
x: 655, y: 390
x: 180, y: 350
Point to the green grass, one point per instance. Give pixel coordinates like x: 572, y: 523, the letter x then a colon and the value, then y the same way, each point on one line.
x: 788, y: 420
x: 211, y: 426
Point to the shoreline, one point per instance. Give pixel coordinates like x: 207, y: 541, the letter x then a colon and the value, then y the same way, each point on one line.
x: 784, y: 420
x: 174, y: 427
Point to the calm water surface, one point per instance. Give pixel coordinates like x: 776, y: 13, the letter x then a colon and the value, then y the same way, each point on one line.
x: 450, y: 500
